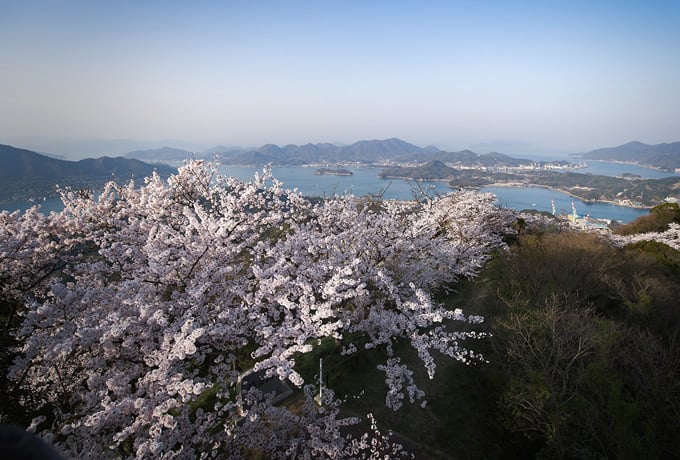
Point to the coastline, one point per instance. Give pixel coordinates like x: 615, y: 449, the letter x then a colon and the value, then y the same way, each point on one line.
x: 448, y: 179
x: 630, y: 163
x: 566, y: 192
x: 524, y: 185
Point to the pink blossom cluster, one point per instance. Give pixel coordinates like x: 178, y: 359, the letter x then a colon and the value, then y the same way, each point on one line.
x: 140, y: 308
x: 669, y: 237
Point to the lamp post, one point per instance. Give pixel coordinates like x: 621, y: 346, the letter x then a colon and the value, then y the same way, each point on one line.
x: 319, y: 397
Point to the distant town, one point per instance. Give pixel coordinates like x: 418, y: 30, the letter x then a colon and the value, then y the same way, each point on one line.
x: 627, y: 190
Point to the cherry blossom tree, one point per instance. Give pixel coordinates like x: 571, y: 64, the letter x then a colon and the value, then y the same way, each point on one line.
x: 144, y: 305
x: 669, y: 237
x: 34, y: 248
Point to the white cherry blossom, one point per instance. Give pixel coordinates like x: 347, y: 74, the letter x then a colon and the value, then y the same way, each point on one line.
x: 141, y: 307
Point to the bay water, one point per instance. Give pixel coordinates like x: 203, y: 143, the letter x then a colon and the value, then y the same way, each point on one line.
x: 364, y: 181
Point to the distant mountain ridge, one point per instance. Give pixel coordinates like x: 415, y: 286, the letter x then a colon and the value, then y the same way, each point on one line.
x: 26, y: 175
x: 361, y: 152
x: 366, y: 151
x: 663, y: 156
x: 25, y: 165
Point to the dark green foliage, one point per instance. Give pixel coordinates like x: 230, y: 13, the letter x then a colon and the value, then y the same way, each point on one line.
x: 10, y: 410
x: 244, y: 359
x: 568, y: 264
x: 656, y: 221
x: 587, y: 343
x: 519, y: 225
x: 668, y: 211
x: 662, y: 253
x: 583, y: 363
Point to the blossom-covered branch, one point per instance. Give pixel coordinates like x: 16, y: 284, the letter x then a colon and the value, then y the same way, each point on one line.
x: 143, y: 306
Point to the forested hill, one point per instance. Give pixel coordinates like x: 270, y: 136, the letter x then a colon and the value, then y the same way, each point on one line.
x: 664, y: 156
x: 20, y: 165
x: 363, y: 151
x: 434, y: 170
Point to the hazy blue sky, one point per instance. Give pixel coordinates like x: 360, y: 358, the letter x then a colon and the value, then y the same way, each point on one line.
x: 557, y: 75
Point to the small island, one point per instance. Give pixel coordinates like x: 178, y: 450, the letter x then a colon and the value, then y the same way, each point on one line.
x: 333, y: 172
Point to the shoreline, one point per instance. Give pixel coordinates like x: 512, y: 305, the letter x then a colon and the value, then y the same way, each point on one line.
x: 524, y: 185
x: 566, y: 192
x: 631, y: 163
x: 412, y: 179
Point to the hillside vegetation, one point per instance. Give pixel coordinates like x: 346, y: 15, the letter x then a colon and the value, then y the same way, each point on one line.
x: 129, y: 320
x: 583, y: 358
x: 656, y: 221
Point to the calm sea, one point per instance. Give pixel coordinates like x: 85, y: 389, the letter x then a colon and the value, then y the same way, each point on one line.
x: 364, y: 181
